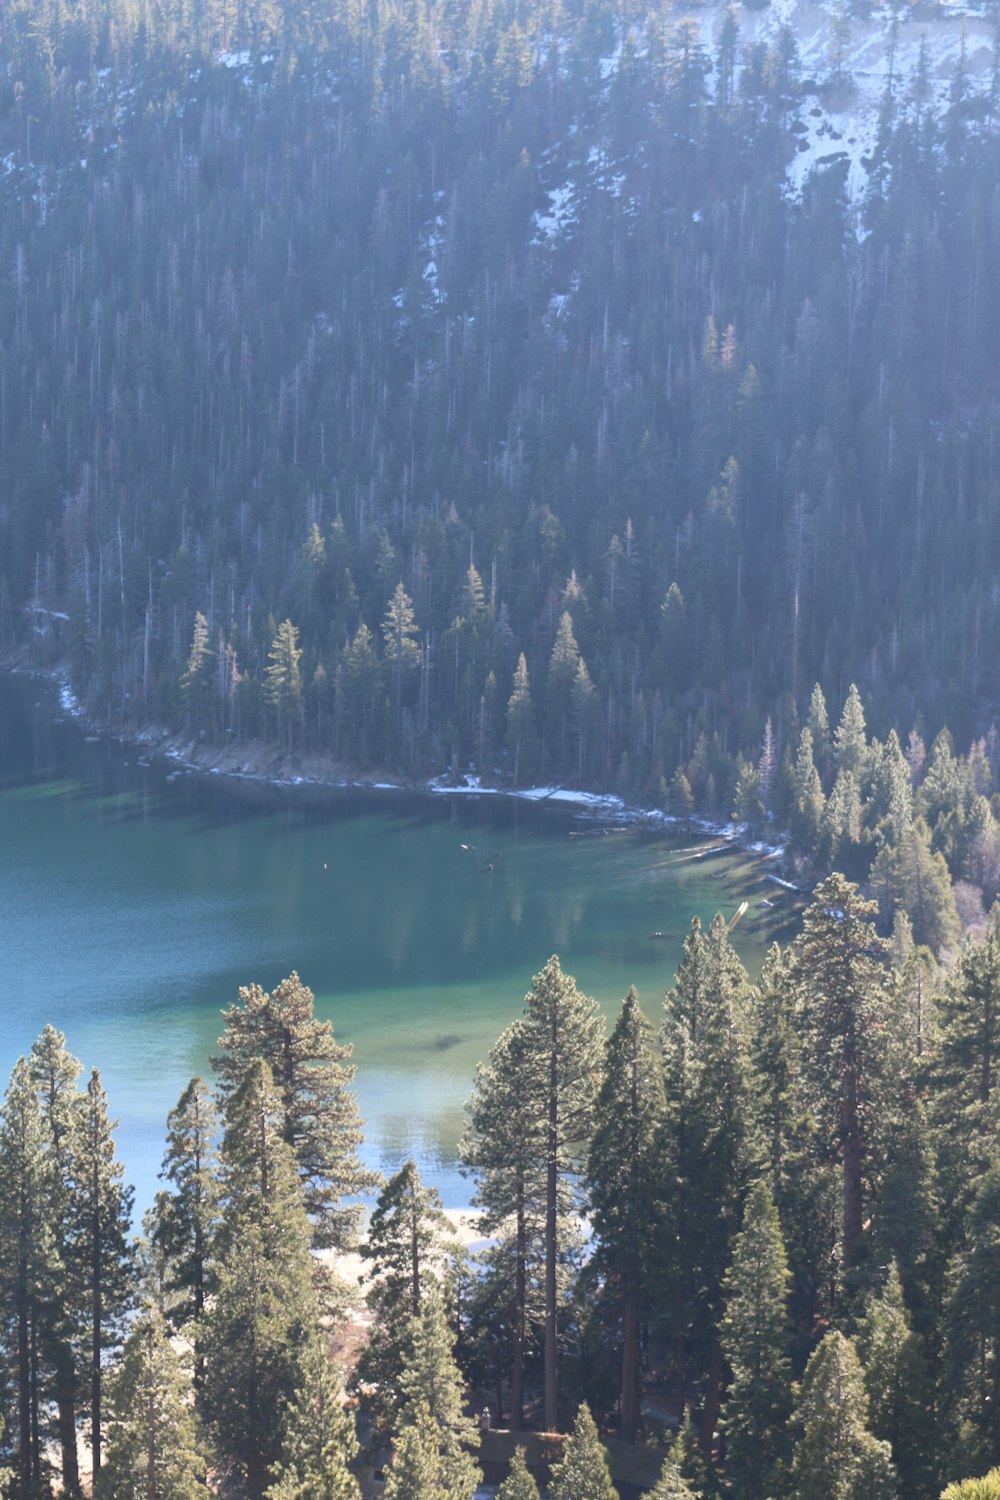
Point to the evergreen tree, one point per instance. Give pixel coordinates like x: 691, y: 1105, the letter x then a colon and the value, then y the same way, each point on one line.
x: 836, y: 1457
x: 416, y: 1462
x: 624, y: 1188
x: 432, y: 1384
x: 196, y: 683
x: 153, y: 1449
x: 898, y: 1384
x: 966, y: 1065
x: 583, y: 1473
x: 186, y: 1218
x: 406, y: 1237
x: 402, y: 650
x: 755, y: 1341
x: 849, y: 741
x: 28, y: 1265
x: 320, y: 1443
x: 839, y: 976
x: 320, y: 1119
x: 564, y: 1031
x: 519, y: 1484
x: 263, y: 1317
x: 672, y: 1484
x: 101, y: 1218
x: 283, y: 680
x: 987, y: 1488
x: 54, y: 1072
x: 503, y: 1146
x: 520, y: 720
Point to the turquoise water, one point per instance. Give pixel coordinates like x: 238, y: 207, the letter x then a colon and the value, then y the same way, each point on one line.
x: 132, y: 909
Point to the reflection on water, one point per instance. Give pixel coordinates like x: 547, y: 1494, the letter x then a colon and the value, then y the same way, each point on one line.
x: 132, y: 908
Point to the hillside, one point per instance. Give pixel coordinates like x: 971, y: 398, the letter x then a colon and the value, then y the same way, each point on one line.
x: 651, y: 350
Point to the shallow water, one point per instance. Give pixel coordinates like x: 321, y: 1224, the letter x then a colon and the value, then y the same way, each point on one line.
x: 132, y: 908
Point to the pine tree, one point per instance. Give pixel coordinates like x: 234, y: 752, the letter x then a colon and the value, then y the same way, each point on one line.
x: 583, y: 1473
x: 672, y: 1483
x: 102, y: 1212
x: 709, y: 1142
x: 987, y: 1488
x: 565, y: 1034
x: 502, y: 1147
x: 836, y: 1457
x: 624, y: 1187
x: 263, y: 1317
x: 402, y: 650
x: 755, y: 1334
x: 971, y: 1383
x: 849, y: 741
x: 406, y: 1236
x: 839, y: 975
x: 320, y: 1113
x: 818, y: 724
x: 320, y: 1442
x: 54, y: 1072
x: 967, y: 1064
x: 416, y: 1462
x: 153, y: 1448
x: 519, y: 1484
x: 196, y: 683
x: 564, y: 664
x: 283, y: 679
x: 807, y: 796
x: 898, y: 1384
x: 29, y: 1264
x: 432, y: 1383
x: 187, y: 1217
x: 520, y: 720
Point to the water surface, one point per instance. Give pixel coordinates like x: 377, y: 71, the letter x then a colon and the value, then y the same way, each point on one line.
x: 132, y: 908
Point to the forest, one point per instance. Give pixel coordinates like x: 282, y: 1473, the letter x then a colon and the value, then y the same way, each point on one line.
x: 753, y: 1240
x: 453, y: 388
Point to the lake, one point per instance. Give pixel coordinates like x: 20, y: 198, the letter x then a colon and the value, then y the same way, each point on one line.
x: 132, y: 908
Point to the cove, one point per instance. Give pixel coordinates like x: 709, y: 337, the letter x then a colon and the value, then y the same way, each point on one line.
x: 132, y: 907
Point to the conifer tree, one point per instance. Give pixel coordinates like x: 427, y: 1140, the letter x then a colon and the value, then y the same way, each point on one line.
x: 583, y: 1473
x: 431, y: 1383
x: 818, y: 724
x: 971, y: 1385
x: 263, y: 1317
x: 101, y: 1211
x: 709, y: 1139
x: 897, y: 1380
x: 311, y: 1071
x: 503, y: 1146
x: 283, y: 679
x: 416, y: 1462
x: 755, y: 1341
x: 849, y: 740
x: 402, y: 650
x: 196, y: 683
x: 520, y: 719
x: 836, y: 1457
x: 406, y: 1237
x: 187, y: 1217
x: 565, y: 1034
x: 672, y: 1484
x: 519, y: 1484
x: 54, y: 1072
x: 624, y: 1186
x: 320, y: 1441
x: 153, y: 1447
x: 987, y: 1488
x: 967, y: 1063
x: 839, y: 975
x: 28, y: 1263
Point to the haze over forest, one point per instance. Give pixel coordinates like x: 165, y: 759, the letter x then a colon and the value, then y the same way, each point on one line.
x: 522, y: 394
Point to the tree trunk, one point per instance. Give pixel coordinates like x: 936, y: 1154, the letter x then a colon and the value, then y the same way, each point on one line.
x: 520, y: 1299
x: 853, y: 1154
x: 713, y: 1399
x: 630, y: 1365
x: 95, y: 1342
x: 62, y: 1359
x: 551, y: 1189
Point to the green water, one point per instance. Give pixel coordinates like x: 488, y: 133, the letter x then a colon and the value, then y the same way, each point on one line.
x: 132, y: 908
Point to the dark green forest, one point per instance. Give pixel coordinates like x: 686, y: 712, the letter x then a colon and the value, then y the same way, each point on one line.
x: 753, y: 1239
x: 298, y: 354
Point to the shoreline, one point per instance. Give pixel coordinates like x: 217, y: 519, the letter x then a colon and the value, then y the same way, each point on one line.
x: 261, y: 763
